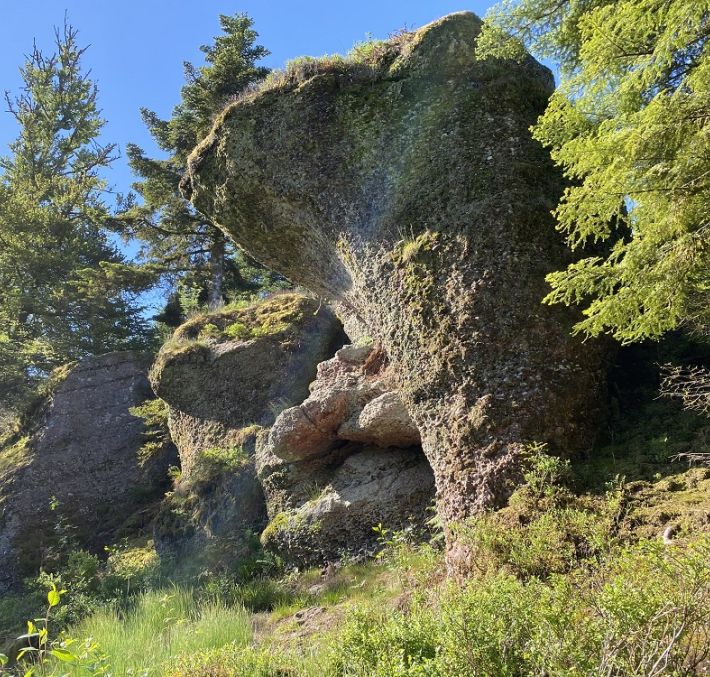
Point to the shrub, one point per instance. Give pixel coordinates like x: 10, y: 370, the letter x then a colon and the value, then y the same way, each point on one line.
x: 237, y: 330
x: 643, y: 612
x: 546, y: 529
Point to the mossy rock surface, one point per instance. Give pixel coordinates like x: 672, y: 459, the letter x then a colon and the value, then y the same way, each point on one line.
x: 233, y: 368
x: 224, y: 376
x: 409, y: 192
x: 374, y: 487
x: 75, y: 461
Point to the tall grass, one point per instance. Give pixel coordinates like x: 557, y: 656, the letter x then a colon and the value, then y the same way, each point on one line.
x: 161, y: 628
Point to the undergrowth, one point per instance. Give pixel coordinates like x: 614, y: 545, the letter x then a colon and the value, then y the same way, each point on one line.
x: 573, y: 578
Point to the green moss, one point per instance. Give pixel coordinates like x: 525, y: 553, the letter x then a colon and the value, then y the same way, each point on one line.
x: 209, y: 331
x: 289, y: 526
x: 251, y: 430
x: 177, y: 518
x: 279, y: 523
x: 178, y: 347
x: 237, y: 330
x: 680, y: 501
x: 14, y: 454
x: 413, y: 248
x: 132, y: 562
x: 223, y: 459
x: 272, y: 316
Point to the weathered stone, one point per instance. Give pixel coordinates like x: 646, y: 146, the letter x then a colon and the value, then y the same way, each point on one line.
x: 81, y: 451
x: 325, y: 489
x: 216, y: 383
x: 383, y: 422
x: 392, y: 487
x: 224, y: 377
x: 409, y: 192
x: 346, y: 403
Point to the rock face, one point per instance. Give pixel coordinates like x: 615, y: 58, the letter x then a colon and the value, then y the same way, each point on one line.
x: 344, y: 460
x: 80, y: 452
x: 224, y: 377
x: 404, y: 186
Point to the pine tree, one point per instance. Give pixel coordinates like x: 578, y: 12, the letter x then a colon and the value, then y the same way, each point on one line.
x: 65, y: 290
x: 177, y: 240
x: 630, y: 126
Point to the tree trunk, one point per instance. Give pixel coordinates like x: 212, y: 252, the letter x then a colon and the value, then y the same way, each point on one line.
x: 217, y: 251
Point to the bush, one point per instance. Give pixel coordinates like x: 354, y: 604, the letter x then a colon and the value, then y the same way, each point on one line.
x: 643, y: 612
x: 546, y: 529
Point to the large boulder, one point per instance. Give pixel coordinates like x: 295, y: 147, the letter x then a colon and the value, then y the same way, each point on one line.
x: 224, y: 377
x: 76, y: 464
x: 403, y: 185
x: 372, y: 486
x: 343, y: 461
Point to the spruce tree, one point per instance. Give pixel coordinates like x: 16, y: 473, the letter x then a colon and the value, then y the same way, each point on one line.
x: 181, y: 243
x: 65, y: 289
x: 630, y: 126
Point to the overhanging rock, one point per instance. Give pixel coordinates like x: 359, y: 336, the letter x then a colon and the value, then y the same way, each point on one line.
x: 405, y: 187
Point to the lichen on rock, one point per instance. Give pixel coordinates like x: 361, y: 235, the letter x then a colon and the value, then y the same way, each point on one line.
x: 412, y: 196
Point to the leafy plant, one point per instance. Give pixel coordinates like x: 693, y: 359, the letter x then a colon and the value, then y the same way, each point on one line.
x: 629, y: 125
x: 42, y: 652
x: 156, y: 433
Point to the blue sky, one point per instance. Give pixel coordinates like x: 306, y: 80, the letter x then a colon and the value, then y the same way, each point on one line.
x: 138, y: 46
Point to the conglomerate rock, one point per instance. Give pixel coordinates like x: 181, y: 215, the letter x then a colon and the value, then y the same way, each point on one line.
x: 345, y: 404
x: 402, y: 184
x: 79, y: 453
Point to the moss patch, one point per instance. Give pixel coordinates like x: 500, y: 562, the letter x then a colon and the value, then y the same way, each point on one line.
x: 270, y: 317
x: 154, y: 413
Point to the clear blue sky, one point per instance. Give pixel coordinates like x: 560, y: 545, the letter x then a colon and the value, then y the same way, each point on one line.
x: 138, y: 46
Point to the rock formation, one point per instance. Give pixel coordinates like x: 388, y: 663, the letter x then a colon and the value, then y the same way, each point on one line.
x: 224, y: 377
x: 80, y: 453
x: 403, y: 185
x: 343, y: 461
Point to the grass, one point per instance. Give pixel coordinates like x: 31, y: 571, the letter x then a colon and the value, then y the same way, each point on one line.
x: 640, y: 610
x: 161, y: 628
x: 560, y: 591
x: 572, y: 578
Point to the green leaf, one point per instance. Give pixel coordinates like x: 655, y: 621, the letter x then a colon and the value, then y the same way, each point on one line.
x: 63, y: 655
x: 25, y: 650
x: 54, y: 596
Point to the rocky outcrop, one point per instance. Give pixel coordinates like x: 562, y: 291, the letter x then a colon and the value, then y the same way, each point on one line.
x: 343, y: 461
x: 80, y: 453
x: 224, y: 377
x: 346, y: 403
x: 403, y: 185
x: 372, y: 486
x: 237, y: 367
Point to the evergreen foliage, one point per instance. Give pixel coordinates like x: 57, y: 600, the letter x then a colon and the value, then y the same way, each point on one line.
x: 630, y: 125
x: 178, y: 241
x: 65, y: 290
